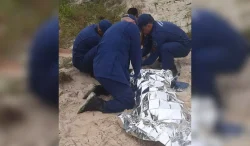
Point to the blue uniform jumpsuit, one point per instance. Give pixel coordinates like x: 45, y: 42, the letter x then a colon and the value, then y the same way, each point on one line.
x: 84, y: 49
x: 119, y: 45
x: 43, y: 62
x: 217, y: 48
x: 168, y: 41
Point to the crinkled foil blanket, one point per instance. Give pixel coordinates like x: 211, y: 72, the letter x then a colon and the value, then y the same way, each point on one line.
x: 159, y: 115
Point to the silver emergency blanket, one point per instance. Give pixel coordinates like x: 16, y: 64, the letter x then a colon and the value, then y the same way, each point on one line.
x: 159, y: 115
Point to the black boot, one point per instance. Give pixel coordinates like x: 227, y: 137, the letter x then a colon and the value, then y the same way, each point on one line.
x: 93, y: 104
x: 159, y: 60
x: 174, y: 71
x: 99, y: 90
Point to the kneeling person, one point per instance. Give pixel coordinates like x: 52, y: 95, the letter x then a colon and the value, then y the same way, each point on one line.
x: 84, y: 48
x: 119, y: 46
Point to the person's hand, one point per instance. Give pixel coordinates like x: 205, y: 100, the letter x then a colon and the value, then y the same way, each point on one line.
x: 134, y: 79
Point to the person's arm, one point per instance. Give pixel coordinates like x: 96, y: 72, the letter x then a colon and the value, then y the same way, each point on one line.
x: 147, y: 46
x: 152, y: 58
x: 135, y: 48
x: 157, y: 40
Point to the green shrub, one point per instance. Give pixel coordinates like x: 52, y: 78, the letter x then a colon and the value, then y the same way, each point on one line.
x: 73, y: 18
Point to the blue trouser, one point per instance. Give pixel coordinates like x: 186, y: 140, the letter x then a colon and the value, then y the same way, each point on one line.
x: 123, y: 96
x: 171, y: 50
x: 207, y: 63
x: 85, y: 63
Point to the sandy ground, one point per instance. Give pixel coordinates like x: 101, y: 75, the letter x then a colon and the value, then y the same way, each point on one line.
x: 24, y: 121
x: 176, y: 11
x: 95, y: 128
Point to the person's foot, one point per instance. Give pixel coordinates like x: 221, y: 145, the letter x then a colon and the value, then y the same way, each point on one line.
x: 93, y: 104
x: 173, y: 83
x: 99, y: 90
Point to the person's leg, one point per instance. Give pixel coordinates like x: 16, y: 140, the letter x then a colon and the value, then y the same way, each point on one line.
x: 166, y: 57
x: 88, y: 60
x: 177, y: 49
x: 169, y: 51
x: 85, y: 63
x: 123, y: 96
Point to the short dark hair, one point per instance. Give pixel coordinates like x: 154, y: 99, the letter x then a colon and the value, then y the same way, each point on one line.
x: 101, y: 17
x: 133, y: 11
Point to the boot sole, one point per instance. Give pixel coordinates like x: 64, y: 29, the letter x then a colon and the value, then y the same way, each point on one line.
x: 89, y: 97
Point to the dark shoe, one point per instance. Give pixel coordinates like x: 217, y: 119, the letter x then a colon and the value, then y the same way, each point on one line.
x: 173, y: 83
x: 174, y: 71
x: 99, y: 90
x: 93, y: 104
x: 92, y: 75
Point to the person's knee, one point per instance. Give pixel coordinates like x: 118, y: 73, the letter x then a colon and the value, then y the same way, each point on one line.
x: 186, y: 52
x: 129, y: 101
x: 130, y: 104
x: 75, y: 62
x: 164, y: 48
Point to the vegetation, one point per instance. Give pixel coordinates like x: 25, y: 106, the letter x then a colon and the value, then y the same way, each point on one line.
x: 73, y: 18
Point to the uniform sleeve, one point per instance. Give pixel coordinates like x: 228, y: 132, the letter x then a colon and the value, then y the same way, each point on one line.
x: 135, y: 48
x: 151, y: 59
x: 157, y: 40
x: 147, y: 46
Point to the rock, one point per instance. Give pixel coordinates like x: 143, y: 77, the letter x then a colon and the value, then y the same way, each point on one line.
x: 170, y: 10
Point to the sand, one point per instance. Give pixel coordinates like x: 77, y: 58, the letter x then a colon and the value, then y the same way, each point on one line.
x: 95, y: 128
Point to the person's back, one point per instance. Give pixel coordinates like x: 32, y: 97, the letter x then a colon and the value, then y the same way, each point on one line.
x: 112, y: 59
x: 84, y: 48
x: 164, y: 31
x: 83, y: 42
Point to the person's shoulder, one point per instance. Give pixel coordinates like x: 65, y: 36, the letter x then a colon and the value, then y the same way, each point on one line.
x: 132, y: 26
x: 88, y: 31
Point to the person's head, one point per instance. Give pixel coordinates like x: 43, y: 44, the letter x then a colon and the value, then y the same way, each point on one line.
x: 145, y: 23
x: 103, y: 26
x: 133, y: 11
x: 129, y: 18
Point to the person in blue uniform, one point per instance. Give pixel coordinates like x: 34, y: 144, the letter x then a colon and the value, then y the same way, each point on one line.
x: 133, y: 11
x: 43, y: 62
x: 217, y: 49
x: 119, y: 45
x: 168, y: 41
x: 84, y: 48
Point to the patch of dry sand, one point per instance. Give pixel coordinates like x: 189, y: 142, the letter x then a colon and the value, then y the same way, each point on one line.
x: 95, y: 128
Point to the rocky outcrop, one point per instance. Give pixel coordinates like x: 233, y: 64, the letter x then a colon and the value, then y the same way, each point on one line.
x: 176, y: 11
